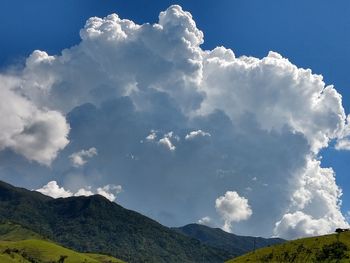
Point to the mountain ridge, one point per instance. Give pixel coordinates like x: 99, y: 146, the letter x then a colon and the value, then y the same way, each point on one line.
x: 218, y: 238
x: 19, y: 244
x: 97, y: 225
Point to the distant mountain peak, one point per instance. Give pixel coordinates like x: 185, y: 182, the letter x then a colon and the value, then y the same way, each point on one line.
x: 218, y: 238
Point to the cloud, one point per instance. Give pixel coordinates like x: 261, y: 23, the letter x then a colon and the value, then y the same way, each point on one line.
x: 199, y: 133
x: 109, y: 191
x: 299, y: 224
x: 264, y: 79
x: 268, y: 121
x: 205, y: 221
x: 232, y: 208
x: 152, y: 136
x: 315, y: 207
x: 84, y: 192
x: 54, y: 190
x: 148, y: 56
x: 165, y: 141
x: 35, y: 133
x: 79, y: 158
x: 343, y: 142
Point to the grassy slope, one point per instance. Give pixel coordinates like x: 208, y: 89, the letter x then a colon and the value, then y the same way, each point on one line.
x: 103, y: 258
x: 301, y: 250
x: 19, y: 244
x: 14, y: 232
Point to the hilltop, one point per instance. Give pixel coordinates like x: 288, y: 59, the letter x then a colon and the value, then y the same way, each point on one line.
x: 97, y: 225
x: 235, y: 244
x: 94, y: 224
x: 328, y: 248
x: 19, y: 244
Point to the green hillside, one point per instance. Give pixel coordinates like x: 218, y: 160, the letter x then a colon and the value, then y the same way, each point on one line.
x: 33, y: 250
x: 14, y: 232
x: 17, y: 244
x: 216, y: 237
x: 328, y: 248
x: 99, y: 226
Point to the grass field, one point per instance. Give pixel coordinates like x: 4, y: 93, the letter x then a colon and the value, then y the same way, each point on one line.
x: 328, y: 248
x: 14, y: 232
x: 18, y: 244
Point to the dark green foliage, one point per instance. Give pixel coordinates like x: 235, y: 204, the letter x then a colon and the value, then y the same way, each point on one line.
x: 267, y: 258
x: 94, y: 224
x: 334, y: 251
x: 236, y: 245
x: 11, y: 251
x: 62, y: 259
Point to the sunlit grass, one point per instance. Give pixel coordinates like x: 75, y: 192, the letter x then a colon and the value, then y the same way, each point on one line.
x: 301, y: 250
x: 18, y: 244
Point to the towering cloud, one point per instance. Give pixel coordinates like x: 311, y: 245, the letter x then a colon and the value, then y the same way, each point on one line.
x: 34, y: 132
x: 178, y: 126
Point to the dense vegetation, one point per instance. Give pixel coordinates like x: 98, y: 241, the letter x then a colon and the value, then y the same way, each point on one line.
x: 329, y: 248
x: 236, y: 245
x: 97, y: 225
x: 18, y: 244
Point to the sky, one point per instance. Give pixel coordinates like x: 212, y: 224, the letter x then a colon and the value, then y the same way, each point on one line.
x: 226, y: 113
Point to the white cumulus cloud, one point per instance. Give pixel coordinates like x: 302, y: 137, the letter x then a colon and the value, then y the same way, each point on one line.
x: 79, y: 158
x: 343, y: 142
x: 294, y: 225
x: 205, y: 221
x: 84, y: 192
x: 165, y: 141
x: 198, y: 133
x: 232, y: 208
x: 52, y: 189
x: 152, y: 136
x: 36, y: 133
x: 109, y: 191
x: 315, y: 207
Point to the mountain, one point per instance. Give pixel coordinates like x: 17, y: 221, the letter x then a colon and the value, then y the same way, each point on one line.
x: 215, y: 237
x: 97, y: 225
x: 14, y: 232
x: 328, y: 248
x: 19, y: 244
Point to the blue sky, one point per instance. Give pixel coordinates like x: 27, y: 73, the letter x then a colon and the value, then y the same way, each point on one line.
x: 311, y: 34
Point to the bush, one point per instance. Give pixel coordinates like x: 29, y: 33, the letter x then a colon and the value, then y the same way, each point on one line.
x: 333, y: 251
x: 62, y: 259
